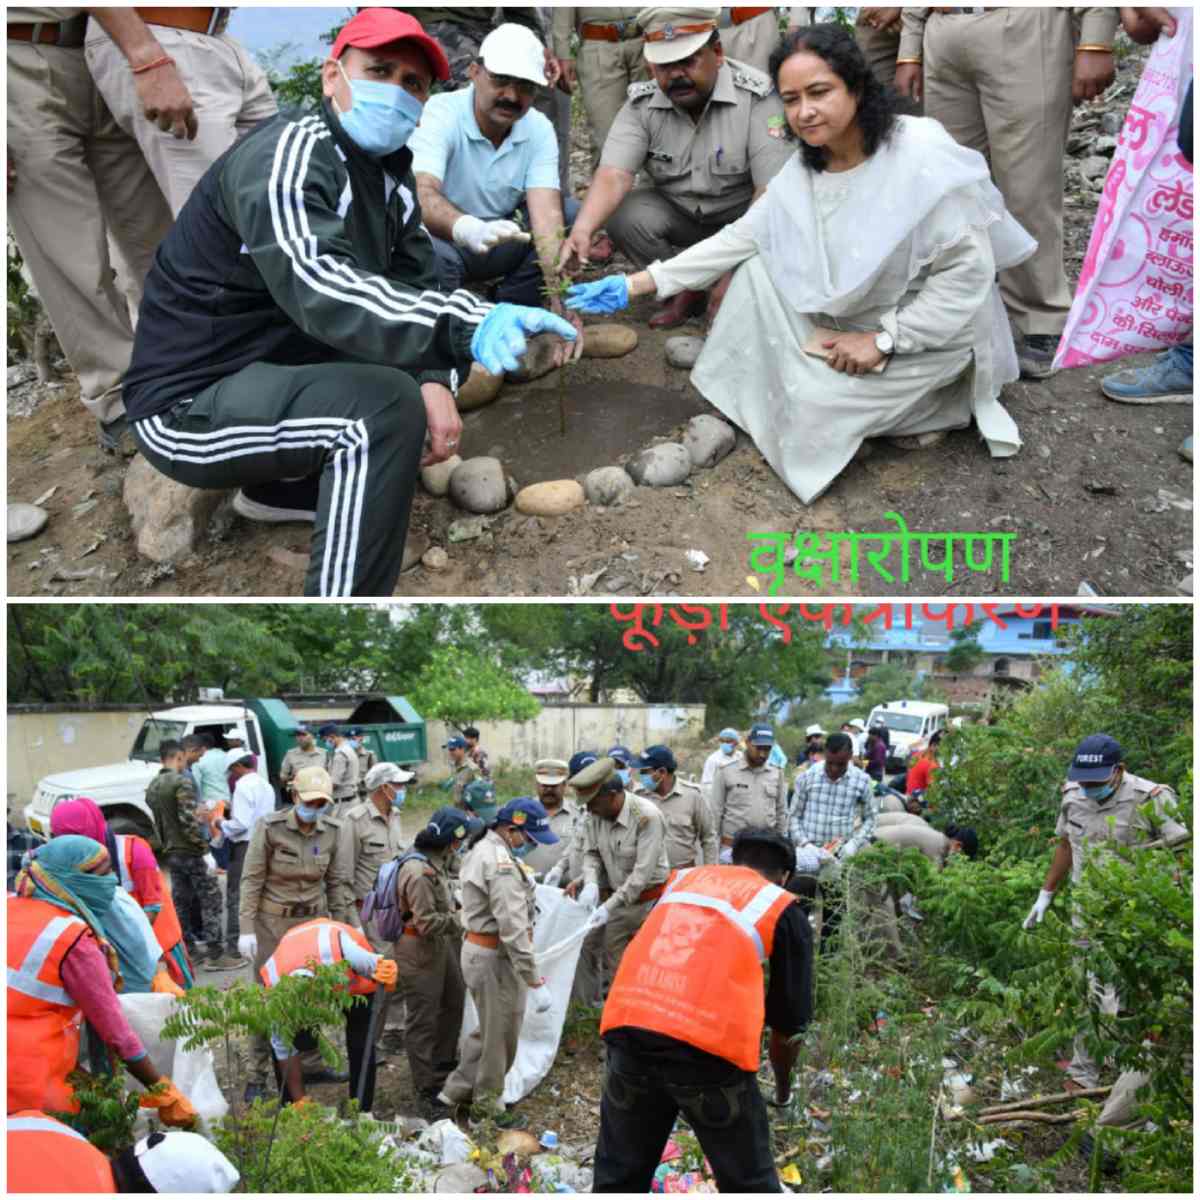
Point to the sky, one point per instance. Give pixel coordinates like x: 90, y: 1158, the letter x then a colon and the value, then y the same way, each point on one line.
x: 261, y: 29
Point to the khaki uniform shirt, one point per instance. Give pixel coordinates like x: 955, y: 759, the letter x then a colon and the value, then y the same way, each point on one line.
x: 462, y: 775
x: 567, y: 19
x: 745, y: 797
x: 366, y: 760
x: 296, y: 760
x: 424, y: 897
x: 691, y: 835
x: 709, y: 168
x: 343, y: 770
x: 919, y: 835
x: 1085, y: 824
x: 287, y: 867
x: 1096, y: 27
x: 497, y: 897
x: 630, y: 851
x: 563, y: 822
x: 374, y: 840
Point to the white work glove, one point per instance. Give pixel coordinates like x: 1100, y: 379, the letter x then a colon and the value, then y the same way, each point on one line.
x: 554, y: 876
x: 589, y: 896
x: 1038, y: 911
x: 597, y: 920
x: 211, y: 864
x: 248, y: 946
x: 847, y: 849
x: 479, y: 236
x: 725, y: 856
x: 543, y: 1001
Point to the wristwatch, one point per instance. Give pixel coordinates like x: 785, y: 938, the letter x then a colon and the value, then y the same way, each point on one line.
x: 884, y: 342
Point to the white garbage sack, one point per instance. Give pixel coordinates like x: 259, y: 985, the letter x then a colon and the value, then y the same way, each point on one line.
x: 557, y: 938
x: 192, y: 1071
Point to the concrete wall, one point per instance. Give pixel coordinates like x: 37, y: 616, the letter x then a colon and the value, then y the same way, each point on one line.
x: 47, y: 742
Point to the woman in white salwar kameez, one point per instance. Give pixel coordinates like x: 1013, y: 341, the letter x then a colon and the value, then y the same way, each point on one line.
x: 881, y: 229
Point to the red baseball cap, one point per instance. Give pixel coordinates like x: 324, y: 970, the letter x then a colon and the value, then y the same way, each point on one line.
x: 371, y: 27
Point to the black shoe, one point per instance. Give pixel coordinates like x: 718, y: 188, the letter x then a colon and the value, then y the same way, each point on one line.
x: 1109, y: 1163
x: 281, y: 502
x: 433, y: 1108
x: 116, y: 437
x: 325, y: 1075
x: 1035, y: 355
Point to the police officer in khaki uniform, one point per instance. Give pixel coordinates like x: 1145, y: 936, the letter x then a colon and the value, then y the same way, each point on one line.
x: 462, y: 769
x: 691, y: 833
x: 366, y: 759
x: 1103, y: 802
x: 751, y: 35
x: 305, y: 753
x: 624, y: 851
x: 342, y: 765
x: 428, y: 952
x: 749, y: 793
x: 229, y: 88
x: 553, y: 863
x: 373, y: 826
x: 608, y: 61
x: 298, y: 867
x: 497, y: 955
x: 710, y: 134
x: 1002, y: 81
x: 75, y: 178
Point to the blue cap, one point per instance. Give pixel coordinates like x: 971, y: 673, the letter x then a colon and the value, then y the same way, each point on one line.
x: 654, y: 757
x: 581, y: 759
x: 728, y: 735
x: 761, y: 735
x: 1096, y: 758
x: 328, y: 728
x: 449, y: 823
x: 356, y: 731
x: 530, y: 817
x: 455, y: 743
x: 622, y: 755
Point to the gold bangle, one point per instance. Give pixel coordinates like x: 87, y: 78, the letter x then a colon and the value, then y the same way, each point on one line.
x: 915, y: 61
x: 1093, y: 49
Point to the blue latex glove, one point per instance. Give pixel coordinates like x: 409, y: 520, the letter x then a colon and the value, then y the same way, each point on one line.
x: 499, y: 340
x: 607, y: 295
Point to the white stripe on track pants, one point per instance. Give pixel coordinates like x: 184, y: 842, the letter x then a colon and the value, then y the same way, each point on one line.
x: 360, y: 426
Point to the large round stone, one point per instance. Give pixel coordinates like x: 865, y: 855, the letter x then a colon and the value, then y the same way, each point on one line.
x: 661, y: 466
x: 607, y: 486
x: 608, y: 341
x: 479, y: 486
x: 25, y: 521
x: 481, y: 387
x: 550, y: 499
x: 708, y: 440
x: 683, y: 351
x: 436, y: 477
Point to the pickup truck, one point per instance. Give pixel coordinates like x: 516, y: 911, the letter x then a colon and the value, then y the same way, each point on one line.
x: 391, y: 728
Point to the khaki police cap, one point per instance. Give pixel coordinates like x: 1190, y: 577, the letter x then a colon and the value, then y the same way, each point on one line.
x: 312, y: 782
x: 587, y: 782
x: 550, y: 770
x: 670, y: 34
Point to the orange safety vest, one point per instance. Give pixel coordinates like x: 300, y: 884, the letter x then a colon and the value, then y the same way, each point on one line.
x: 167, y: 930
x: 43, y: 1019
x: 694, y: 970
x: 46, y: 1156
x: 315, y: 941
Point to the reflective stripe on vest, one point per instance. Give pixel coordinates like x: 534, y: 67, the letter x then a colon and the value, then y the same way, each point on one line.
x: 40, y: 1125
x: 125, y: 861
x: 745, y: 919
x: 24, y: 978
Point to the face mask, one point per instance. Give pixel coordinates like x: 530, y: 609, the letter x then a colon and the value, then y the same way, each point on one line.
x: 727, y: 748
x: 307, y: 813
x: 647, y: 781
x: 625, y: 775
x: 1100, y: 792
x: 382, y: 116
x: 398, y: 798
x: 522, y: 850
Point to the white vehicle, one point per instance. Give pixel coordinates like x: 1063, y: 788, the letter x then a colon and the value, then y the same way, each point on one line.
x: 119, y: 789
x: 911, y: 723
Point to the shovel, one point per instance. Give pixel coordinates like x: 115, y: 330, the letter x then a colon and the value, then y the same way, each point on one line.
x: 377, y: 1004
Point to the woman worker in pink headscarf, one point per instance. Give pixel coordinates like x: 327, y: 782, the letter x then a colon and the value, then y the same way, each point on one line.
x: 140, y: 876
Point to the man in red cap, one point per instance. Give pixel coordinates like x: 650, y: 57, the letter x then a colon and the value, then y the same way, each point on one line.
x: 291, y: 343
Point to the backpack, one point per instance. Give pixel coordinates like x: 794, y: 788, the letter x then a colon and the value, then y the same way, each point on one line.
x: 380, y: 901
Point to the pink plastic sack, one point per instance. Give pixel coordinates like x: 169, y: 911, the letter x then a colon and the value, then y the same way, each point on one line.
x: 1135, y: 288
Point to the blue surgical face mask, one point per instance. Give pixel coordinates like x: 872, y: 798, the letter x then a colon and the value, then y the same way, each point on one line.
x: 646, y: 780
x: 307, y: 814
x: 382, y: 116
x: 399, y: 797
x: 626, y: 775
x: 1100, y: 791
x: 522, y: 850
x: 728, y: 748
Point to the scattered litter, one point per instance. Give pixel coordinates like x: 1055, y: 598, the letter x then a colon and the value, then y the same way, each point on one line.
x: 445, y: 1140
x: 697, y: 560
x: 94, y: 546
x: 791, y: 1174
x: 45, y: 496
x: 982, y: 1152
x: 549, y: 1140
x: 958, y: 1182
x: 466, y: 529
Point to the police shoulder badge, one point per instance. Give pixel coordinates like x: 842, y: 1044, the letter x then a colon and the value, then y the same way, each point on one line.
x: 777, y: 126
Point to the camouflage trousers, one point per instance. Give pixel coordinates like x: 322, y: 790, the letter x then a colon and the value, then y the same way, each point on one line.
x: 194, y: 890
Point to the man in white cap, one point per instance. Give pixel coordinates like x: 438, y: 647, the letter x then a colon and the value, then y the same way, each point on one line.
x: 487, y: 174
x: 723, y: 755
x: 375, y: 833
x: 708, y: 133
x: 564, y: 859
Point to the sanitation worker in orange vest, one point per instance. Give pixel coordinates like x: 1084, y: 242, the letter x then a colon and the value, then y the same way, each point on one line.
x: 684, y: 1019
x: 328, y: 941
